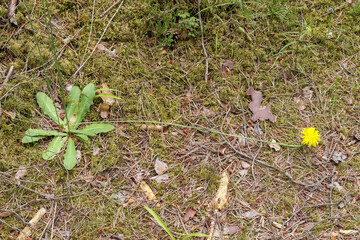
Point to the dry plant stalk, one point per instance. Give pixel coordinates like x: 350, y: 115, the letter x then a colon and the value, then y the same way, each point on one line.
x: 26, y: 232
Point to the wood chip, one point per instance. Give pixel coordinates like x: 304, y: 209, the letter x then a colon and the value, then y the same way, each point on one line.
x: 148, y: 192
x: 26, y: 232
x: 221, y: 196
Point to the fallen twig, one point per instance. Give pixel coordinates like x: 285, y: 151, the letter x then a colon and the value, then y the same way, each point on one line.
x: 11, y: 12
x: 5, y: 82
x: 111, y: 7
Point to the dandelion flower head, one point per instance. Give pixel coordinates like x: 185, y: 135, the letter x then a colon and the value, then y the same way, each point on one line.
x: 311, y: 136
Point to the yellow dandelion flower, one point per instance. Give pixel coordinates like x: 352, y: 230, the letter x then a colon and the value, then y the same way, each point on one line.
x: 311, y: 137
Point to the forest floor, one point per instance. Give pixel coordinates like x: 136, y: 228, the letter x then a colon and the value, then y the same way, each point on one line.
x: 189, y: 63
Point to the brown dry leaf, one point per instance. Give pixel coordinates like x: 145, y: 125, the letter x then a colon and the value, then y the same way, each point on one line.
x: 148, y: 192
x: 300, y: 103
x: 226, y: 67
x: 309, y: 226
x: 307, y: 93
x: 274, y: 146
x: 5, y: 214
x: 190, y: 213
x: 259, y: 112
x: 104, y: 107
x: 160, y: 167
x: 161, y: 178
x: 19, y: 174
x: 245, y: 165
x: 231, y: 229
x: 338, y: 157
x: 11, y: 115
x: 101, y: 47
x: 221, y: 195
x: 251, y: 214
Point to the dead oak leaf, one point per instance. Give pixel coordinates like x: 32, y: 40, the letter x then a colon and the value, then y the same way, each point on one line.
x: 190, y: 213
x: 259, y: 112
x: 5, y: 214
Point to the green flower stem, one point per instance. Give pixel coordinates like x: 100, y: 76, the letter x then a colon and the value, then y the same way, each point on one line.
x: 200, y: 129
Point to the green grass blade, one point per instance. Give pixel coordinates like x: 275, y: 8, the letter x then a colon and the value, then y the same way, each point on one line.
x: 107, y: 89
x: 48, y: 107
x: 195, y: 235
x: 107, y: 95
x: 159, y: 221
x: 70, y: 155
x: 54, y: 148
x: 93, y: 129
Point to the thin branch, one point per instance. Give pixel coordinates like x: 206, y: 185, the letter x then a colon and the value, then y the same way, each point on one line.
x: 203, y: 45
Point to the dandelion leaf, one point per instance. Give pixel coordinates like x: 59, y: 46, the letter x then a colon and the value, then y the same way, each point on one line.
x: 54, y: 148
x: 48, y: 107
x: 72, y: 105
x: 70, y: 155
x: 93, y: 129
x: 86, y: 100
